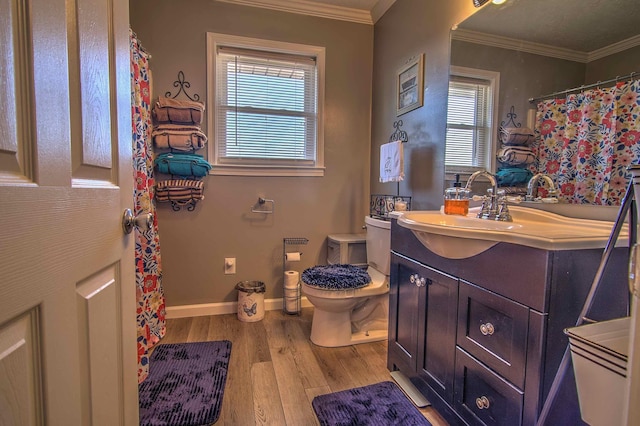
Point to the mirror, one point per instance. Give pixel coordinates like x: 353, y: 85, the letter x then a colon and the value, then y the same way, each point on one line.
x: 540, y: 47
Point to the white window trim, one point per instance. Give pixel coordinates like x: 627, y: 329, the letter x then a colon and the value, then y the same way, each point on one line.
x: 494, y: 78
x: 213, y: 41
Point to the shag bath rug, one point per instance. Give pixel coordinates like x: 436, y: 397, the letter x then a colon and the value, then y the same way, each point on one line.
x: 185, y: 384
x: 381, y: 404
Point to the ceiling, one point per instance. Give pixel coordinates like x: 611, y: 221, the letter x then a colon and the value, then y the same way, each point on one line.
x: 361, y: 11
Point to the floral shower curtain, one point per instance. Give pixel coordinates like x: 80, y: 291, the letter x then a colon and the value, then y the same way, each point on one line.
x: 149, y: 293
x: 586, y: 140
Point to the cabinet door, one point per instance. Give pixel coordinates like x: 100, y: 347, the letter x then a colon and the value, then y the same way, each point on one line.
x: 438, y: 330
x: 406, y: 312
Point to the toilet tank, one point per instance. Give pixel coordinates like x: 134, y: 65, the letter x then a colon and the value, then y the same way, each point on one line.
x: 378, y: 243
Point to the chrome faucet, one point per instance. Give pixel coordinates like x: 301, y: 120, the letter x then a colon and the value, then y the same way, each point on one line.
x: 532, y: 186
x: 494, y: 206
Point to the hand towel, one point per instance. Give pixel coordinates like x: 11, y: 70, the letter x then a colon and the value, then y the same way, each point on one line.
x: 391, y: 162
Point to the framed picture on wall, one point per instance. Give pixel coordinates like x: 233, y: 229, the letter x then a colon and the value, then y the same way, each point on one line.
x: 410, y: 85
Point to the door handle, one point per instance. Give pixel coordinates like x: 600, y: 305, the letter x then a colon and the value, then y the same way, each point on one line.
x: 142, y: 221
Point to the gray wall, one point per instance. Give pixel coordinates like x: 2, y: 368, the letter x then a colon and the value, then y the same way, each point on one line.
x: 619, y: 64
x: 409, y: 28
x: 194, y: 244
x: 525, y: 75
x: 522, y: 75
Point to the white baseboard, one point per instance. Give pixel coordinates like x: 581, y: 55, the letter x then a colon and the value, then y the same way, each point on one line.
x: 222, y: 308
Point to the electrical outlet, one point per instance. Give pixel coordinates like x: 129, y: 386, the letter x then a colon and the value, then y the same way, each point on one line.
x: 229, y: 265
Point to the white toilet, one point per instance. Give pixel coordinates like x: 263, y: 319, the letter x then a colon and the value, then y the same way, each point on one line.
x: 360, y: 315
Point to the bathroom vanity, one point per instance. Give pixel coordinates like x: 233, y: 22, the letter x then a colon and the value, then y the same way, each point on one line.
x: 482, y: 336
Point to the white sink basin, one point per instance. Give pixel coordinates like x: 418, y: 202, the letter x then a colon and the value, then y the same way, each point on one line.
x: 459, y: 237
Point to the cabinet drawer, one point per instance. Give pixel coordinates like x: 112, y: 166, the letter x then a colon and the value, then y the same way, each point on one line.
x: 481, y: 396
x: 494, y: 330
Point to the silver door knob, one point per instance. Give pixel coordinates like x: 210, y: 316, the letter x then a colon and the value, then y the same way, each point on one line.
x: 142, y: 221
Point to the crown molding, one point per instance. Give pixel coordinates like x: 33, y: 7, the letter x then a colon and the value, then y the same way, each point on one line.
x: 614, y: 48
x: 520, y: 45
x: 380, y: 9
x: 306, y: 7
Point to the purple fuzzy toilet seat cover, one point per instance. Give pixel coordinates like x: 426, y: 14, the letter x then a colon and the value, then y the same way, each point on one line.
x: 336, y: 277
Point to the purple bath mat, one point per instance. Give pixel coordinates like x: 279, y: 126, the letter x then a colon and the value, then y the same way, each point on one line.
x: 185, y: 384
x: 382, y: 404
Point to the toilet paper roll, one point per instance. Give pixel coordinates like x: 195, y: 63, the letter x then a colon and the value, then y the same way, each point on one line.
x: 293, y: 256
x: 292, y: 306
x: 291, y: 279
x: 292, y: 300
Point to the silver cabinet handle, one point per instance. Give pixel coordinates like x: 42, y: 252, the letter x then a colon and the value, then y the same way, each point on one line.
x: 418, y: 280
x: 487, y: 329
x: 482, y: 402
x: 142, y: 221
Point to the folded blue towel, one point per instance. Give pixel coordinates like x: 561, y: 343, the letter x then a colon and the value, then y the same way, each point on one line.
x: 181, y: 164
x: 336, y: 277
x: 511, y: 176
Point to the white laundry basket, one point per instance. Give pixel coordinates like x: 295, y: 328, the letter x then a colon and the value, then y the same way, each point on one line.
x: 599, y: 353
x: 250, y: 300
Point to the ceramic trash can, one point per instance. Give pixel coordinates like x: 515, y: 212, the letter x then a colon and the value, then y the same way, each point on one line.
x: 250, y: 300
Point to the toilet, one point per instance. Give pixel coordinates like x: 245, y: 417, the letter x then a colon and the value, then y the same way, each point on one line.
x: 355, y: 315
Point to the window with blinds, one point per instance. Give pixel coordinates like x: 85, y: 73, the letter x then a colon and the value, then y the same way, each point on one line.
x: 267, y: 109
x: 469, y: 139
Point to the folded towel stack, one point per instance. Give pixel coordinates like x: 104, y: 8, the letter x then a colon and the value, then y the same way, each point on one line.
x: 515, y: 150
x: 178, y: 129
x: 514, y: 156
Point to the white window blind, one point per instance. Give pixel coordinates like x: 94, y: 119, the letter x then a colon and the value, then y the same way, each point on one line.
x: 266, y: 108
x: 469, y: 129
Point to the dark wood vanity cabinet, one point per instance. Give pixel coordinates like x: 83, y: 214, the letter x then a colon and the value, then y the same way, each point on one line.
x: 422, y: 337
x: 482, y: 337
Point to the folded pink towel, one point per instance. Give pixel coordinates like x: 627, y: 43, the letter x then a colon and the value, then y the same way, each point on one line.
x: 169, y: 110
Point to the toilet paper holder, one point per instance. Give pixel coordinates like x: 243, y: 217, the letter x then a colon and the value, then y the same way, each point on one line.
x: 291, y: 303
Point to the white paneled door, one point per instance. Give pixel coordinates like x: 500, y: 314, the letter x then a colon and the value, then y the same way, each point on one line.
x: 67, y: 283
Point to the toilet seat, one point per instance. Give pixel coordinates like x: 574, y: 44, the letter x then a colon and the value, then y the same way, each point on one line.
x: 379, y: 285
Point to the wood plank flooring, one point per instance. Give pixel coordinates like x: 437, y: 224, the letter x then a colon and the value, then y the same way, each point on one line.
x: 275, y: 371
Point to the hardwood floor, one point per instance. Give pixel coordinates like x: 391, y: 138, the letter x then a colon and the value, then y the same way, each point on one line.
x: 275, y: 371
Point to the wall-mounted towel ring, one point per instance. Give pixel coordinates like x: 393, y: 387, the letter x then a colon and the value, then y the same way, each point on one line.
x: 261, y: 203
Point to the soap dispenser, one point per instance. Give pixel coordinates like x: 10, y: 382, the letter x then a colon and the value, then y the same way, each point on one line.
x: 456, y: 199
